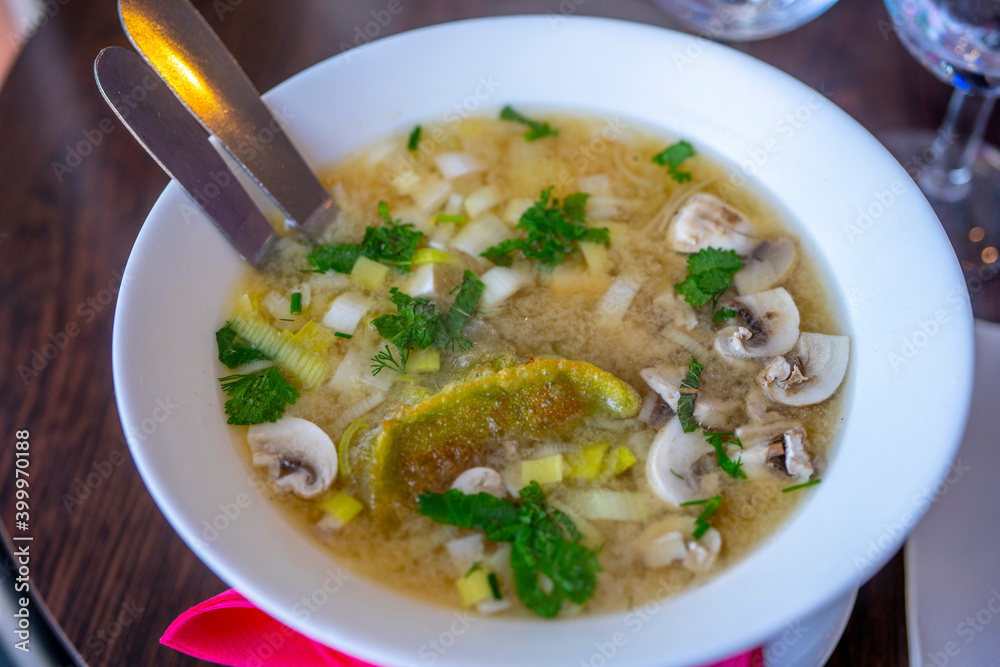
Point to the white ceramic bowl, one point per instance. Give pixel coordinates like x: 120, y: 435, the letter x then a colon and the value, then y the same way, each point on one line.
x: 903, y: 300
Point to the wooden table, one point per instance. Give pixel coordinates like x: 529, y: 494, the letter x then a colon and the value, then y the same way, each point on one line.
x: 75, y: 189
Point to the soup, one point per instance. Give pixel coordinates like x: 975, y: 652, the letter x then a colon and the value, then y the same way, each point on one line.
x: 537, y: 367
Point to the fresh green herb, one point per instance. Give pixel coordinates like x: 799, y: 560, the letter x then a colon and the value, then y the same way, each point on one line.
x: 544, y: 541
x: 296, y: 308
x: 537, y: 129
x: 414, y: 140
x: 478, y: 565
x: 419, y: 324
x: 553, y: 228
x: 729, y: 466
x: 688, y: 394
x: 676, y: 474
x: 701, y: 523
x: 494, y: 585
x: 724, y: 314
x: 710, y: 273
x: 444, y: 217
x: 393, y: 243
x: 285, y: 319
x: 672, y: 157
x: 258, y: 397
x: 233, y: 350
x: 340, y: 334
x: 812, y: 482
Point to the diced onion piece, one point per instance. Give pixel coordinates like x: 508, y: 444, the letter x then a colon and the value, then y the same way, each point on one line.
x: 341, y: 506
x: 307, y: 366
x: 675, y: 335
x: 276, y: 305
x: 619, y: 297
x: 344, y: 448
x: 358, y: 409
x: 544, y: 471
x: 620, y: 460
x: 423, y: 282
x: 431, y: 195
x: 453, y: 165
x: 442, y: 236
x: 454, y: 205
x: 587, y: 463
x: 385, y: 377
x: 603, y: 207
x: 424, y: 361
x: 346, y: 311
x: 344, y: 378
x: 596, y: 255
x: 476, y: 236
x: 493, y: 606
x: 313, y: 338
x: 433, y: 256
x: 465, y: 551
x: 482, y: 200
x: 474, y: 588
x: 406, y: 183
x: 515, y: 209
x: 501, y: 283
x: 368, y: 273
x: 596, y: 185
x: 613, y: 506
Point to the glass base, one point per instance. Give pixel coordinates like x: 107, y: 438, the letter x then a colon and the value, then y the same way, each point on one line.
x: 971, y: 214
x: 743, y: 20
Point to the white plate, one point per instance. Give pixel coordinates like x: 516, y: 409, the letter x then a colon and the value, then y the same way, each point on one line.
x: 889, y: 264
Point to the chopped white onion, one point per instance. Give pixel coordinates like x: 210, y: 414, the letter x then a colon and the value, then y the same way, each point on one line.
x: 454, y: 205
x: 278, y: 306
x: 453, y: 165
x: 346, y: 375
x: 515, y: 209
x: 476, y: 236
x: 367, y: 404
x: 422, y: 282
x: 613, y: 506
x: 501, y: 283
x: 596, y: 185
x: 432, y: 194
x: 442, y: 236
x: 619, y: 297
x: 465, y: 551
x: 406, y: 183
x: 482, y: 200
x: 346, y: 311
x: 492, y: 606
x: 675, y: 335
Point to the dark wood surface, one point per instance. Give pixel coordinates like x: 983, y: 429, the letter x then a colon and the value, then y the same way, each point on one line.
x: 113, y: 572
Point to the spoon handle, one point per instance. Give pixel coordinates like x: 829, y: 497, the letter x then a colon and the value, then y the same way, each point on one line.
x: 184, y: 50
x: 162, y: 125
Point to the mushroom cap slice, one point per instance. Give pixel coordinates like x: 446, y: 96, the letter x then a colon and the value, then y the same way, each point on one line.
x: 809, y: 373
x: 671, y: 541
x: 708, y: 410
x: 299, y: 456
x: 674, y: 453
x: 769, y: 265
x: 778, y: 446
x: 770, y: 326
x: 480, y: 480
x: 705, y: 221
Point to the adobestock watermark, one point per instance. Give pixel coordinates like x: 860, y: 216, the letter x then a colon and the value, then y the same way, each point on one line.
x: 968, y: 629
x: 927, y: 328
x: 45, y: 11
x: 431, y: 651
x: 878, y: 548
x: 55, y: 342
x: 99, y: 642
x: 565, y: 8
x: 369, y: 31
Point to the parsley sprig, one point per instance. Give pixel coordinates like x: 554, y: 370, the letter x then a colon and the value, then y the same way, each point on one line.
x: 701, y: 523
x: 554, y: 229
x: 710, y: 273
x: 414, y: 141
x: 392, y: 243
x: 688, y: 394
x: 536, y: 129
x: 672, y: 157
x: 718, y: 441
x: 233, y: 350
x: 258, y: 397
x: 544, y: 541
x: 418, y: 323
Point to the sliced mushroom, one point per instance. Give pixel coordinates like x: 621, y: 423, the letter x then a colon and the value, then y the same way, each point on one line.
x: 770, y: 326
x: 705, y: 221
x: 669, y: 467
x: 480, y: 480
x: 778, y: 447
x: 298, y: 455
x: 769, y: 265
x: 809, y: 373
x: 708, y: 410
x: 671, y: 541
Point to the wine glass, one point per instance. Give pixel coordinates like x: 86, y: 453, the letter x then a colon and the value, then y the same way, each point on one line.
x: 958, y: 41
x: 744, y: 19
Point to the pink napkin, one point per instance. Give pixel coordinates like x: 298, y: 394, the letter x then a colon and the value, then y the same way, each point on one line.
x: 229, y: 630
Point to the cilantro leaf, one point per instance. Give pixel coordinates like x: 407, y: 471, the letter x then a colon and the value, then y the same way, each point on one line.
x: 729, y: 466
x: 553, y: 229
x: 701, y: 523
x: 710, y: 273
x: 537, y: 129
x: 257, y: 397
x: 723, y: 314
x: 544, y: 541
x: 233, y: 350
x: 672, y: 157
x: 687, y: 394
x: 393, y: 243
x: 463, y: 308
x: 414, y: 141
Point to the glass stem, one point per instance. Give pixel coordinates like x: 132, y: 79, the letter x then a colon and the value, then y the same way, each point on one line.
x: 948, y: 175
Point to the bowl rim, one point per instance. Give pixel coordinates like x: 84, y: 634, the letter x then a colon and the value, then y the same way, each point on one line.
x: 756, y: 627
